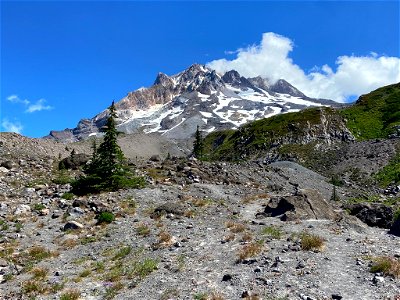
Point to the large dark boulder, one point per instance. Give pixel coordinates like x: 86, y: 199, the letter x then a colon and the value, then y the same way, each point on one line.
x: 373, y: 214
x: 74, y: 161
x: 307, y: 204
x: 395, y: 228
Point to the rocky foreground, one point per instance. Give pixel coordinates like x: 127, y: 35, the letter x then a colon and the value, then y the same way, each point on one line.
x: 197, y: 231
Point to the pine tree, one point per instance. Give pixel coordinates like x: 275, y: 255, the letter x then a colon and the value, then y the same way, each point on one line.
x: 108, y: 169
x: 335, y: 196
x: 198, y: 145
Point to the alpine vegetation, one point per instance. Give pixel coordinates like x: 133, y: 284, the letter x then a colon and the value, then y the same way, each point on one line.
x: 108, y: 169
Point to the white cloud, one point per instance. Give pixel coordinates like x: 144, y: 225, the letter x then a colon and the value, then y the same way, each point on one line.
x: 38, y: 106
x: 16, y: 99
x: 354, y: 75
x: 12, y: 126
x: 30, y: 107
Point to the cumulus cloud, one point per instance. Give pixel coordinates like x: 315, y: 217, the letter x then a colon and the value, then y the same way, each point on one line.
x: 39, y: 105
x: 12, y: 126
x: 354, y: 75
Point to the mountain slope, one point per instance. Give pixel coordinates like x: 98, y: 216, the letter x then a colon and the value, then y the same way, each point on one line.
x: 320, y: 138
x: 175, y: 105
x: 258, y: 138
x: 375, y: 115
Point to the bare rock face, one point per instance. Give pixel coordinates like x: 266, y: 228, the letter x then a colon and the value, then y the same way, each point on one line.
x: 308, y: 204
x: 373, y: 214
x: 284, y: 87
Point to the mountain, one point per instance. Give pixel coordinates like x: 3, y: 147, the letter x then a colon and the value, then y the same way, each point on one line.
x: 355, y: 141
x: 174, y: 105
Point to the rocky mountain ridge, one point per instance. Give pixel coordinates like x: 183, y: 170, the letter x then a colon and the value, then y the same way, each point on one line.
x: 175, y: 105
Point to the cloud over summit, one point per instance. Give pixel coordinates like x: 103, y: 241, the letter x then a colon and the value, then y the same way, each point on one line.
x: 354, y: 75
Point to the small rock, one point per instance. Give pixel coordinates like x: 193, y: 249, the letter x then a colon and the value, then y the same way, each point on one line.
x: 336, y: 296
x: 378, y: 280
x: 79, y: 203
x: 56, y: 214
x: 4, y: 170
x: 300, y: 265
x: 3, y: 262
x: 245, y: 294
x: 29, y: 191
x: 77, y: 211
x: 44, y: 212
x: 177, y: 245
x: 8, y: 164
x: 72, y: 225
x: 227, y: 277
x: 23, y: 209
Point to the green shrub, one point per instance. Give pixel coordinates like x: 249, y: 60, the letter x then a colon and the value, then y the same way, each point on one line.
x: 88, y: 240
x: 145, y: 267
x: 38, y: 206
x: 143, y: 230
x: 18, y: 226
x: 105, y: 217
x: 38, y: 253
x: 386, y: 265
x: 113, y: 290
x: 336, y: 180
x: 272, y: 232
x: 62, y: 178
x: 67, y: 196
x: 123, y: 252
x: 311, y: 241
x: 70, y: 295
x: 3, y: 225
x: 396, y: 215
x: 390, y: 173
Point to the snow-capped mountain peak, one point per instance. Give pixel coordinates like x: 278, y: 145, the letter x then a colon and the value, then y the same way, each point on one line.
x: 175, y: 105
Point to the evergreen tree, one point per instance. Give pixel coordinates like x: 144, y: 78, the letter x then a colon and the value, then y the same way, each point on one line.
x: 335, y: 196
x: 198, y: 145
x: 108, y: 169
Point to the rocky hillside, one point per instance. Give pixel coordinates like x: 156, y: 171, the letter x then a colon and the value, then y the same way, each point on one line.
x: 174, y: 106
x: 199, y: 230
x: 320, y: 138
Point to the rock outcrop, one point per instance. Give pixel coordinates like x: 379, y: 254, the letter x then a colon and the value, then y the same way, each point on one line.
x: 373, y: 214
x: 306, y: 204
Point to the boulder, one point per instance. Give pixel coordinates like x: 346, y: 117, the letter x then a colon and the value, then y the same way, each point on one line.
x: 74, y: 161
x: 307, y: 204
x: 8, y: 164
x: 72, y: 225
x: 168, y: 208
x: 395, y: 228
x: 373, y: 214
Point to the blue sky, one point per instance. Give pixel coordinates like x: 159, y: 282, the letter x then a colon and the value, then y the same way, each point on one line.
x: 63, y: 61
